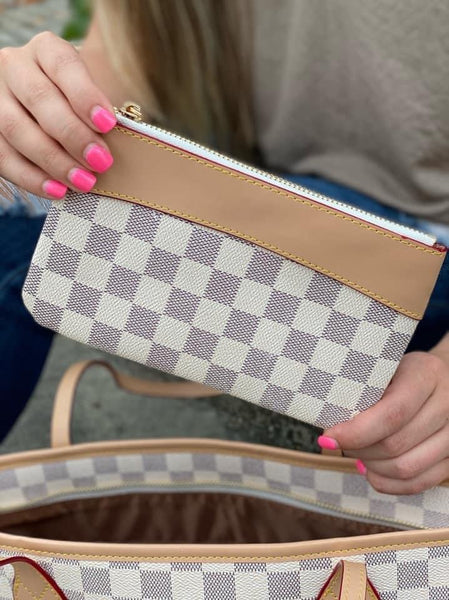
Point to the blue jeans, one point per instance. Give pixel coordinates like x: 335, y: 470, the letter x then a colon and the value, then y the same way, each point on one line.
x: 23, y: 344
x: 436, y: 318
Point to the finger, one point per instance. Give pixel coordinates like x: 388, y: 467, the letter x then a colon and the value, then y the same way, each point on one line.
x: 25, y: 135
x: 407, y: 392
x: 63, y: 65
x: 431, y: 418
x: 426, y: 480
x: 56, y: 117
x: 417, y: 460
x: 26, y: 175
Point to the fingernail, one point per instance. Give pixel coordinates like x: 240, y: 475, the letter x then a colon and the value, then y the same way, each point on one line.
x: 360, y: 467
x: 103, y: 119
x: 327, y: 443
x: 54, y: 188
x: 98, y: 158
x: 82, y: 179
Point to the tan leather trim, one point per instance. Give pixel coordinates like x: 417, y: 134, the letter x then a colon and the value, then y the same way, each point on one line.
x: 396, y: 271
x: 348, y: 582
x: 65, y: 395
x: 339, y: 547
x: 30, y: 584
x: 202, y: 445
x: 354, y: 583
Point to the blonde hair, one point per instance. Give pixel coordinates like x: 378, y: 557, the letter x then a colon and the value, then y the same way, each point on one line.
x: 189, y: 62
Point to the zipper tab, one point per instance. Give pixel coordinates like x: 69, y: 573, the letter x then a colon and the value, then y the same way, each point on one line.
x: 131, y: 110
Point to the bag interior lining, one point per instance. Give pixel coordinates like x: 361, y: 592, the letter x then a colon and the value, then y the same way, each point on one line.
x: 180, y: 518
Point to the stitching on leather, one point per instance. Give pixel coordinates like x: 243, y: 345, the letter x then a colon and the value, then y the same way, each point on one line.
x: 329, y: 592
x: 268, y: 187
x: 19, y: 583
x: 346, y: 576
x: 371, y: 593
x: 278, y: 250
x: 252, y: 558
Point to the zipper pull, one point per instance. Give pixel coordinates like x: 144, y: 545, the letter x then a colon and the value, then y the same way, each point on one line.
x: 131, y: 110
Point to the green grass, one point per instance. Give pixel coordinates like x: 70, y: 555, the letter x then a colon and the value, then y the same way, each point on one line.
x: 76, y: 28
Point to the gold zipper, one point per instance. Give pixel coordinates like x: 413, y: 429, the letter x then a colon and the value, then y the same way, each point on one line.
x: 131, y: 110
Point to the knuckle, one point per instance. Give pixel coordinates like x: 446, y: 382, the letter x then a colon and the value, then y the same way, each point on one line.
x: 434, y: 364
x: 392, y: 446
x: 23, y: 179
x: 44, y: 37
x: 6, y: 55
x: 4, y: 157
x: 64, y: 59
x: 405, y: 469
x: 9, y: 126
x: 50, y: 159
x: 396, y: 415
x: 38, y: 92
x: 69, y: 131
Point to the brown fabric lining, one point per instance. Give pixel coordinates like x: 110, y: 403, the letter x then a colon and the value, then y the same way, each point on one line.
x: 179, y: 518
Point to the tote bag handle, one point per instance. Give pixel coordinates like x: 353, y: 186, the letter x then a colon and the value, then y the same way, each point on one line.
x: 65, y: 395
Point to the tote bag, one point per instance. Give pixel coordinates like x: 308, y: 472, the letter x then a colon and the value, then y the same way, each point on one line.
x: 203, y: 519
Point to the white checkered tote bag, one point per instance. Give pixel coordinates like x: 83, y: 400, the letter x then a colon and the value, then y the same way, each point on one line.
x: 200, y: 519
x: 193, y: 263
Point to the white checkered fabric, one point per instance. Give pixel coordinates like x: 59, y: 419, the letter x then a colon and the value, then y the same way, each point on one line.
x: 342, y: 493
x: 211, y: 308
x: 416, y: 574
x: 398, y: 574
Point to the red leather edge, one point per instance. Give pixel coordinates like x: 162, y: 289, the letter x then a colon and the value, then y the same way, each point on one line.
x: 35, y: 565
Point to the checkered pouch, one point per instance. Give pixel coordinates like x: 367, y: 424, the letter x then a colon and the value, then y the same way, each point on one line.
x: 200, y: 519
x: 190, y: 262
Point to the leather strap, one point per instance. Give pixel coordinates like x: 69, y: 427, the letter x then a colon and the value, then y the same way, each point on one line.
x: 348, y: 582
x: 31, y: 581
x: 65, y: 395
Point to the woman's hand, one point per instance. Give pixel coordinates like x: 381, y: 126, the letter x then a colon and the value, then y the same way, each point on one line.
x: 402, y: 442
x: 51, y: 114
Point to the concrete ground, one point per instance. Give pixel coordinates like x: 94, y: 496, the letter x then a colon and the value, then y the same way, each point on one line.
x: 103, y: 412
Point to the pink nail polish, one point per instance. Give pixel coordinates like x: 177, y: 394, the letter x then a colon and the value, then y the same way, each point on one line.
x: 360, y: 467
x: 54, y: 188
x: 103, y: 119
x: 82, y: 179
x: 98, y: 158
x: 327, y: 442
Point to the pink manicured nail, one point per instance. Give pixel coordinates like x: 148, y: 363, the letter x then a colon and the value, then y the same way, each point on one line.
x: 98, y: 158
x: 82, y: 179
x: 103, y: 119
x: 54, y: 188
x: 327, y: 443
x: 360, y: 467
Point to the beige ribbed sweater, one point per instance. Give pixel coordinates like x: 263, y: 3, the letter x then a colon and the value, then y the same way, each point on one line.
x: 357, y: 91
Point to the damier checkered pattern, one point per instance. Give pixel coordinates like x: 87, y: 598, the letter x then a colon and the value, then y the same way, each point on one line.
x: 416, y: 574
x: 211, y: 308
x: 340, y: 493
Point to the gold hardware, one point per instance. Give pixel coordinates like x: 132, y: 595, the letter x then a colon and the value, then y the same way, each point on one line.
x: 131, y: 110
